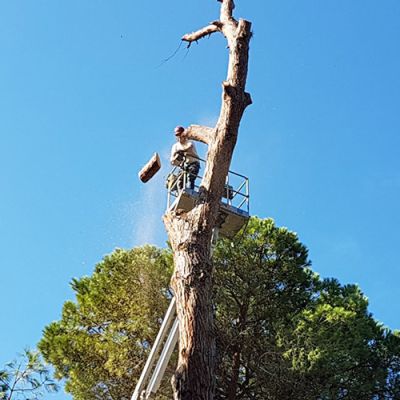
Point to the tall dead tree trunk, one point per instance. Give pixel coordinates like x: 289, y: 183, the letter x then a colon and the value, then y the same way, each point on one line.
x: 190, y: 233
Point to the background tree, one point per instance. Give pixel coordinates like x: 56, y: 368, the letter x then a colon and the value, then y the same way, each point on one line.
x: 285, y: 333
x: 282, y: 332
x: 102, y: 341
x: 342, y: 349
x: 262, y: 279
x: 26, y: 378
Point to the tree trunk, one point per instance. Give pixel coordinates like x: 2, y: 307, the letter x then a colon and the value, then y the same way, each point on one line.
x: 232, y: 388
x: 190, y: 233
x: 237, y: 349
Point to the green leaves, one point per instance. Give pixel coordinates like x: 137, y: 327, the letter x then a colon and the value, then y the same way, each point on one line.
x: 26, y: 378
x: 285, y: 333
x: 282, y: 332
x: 102, y: 340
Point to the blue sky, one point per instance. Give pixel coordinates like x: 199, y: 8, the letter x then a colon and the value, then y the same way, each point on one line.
x: 86, y: 99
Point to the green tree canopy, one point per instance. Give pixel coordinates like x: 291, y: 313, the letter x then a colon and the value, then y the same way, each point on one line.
x: 282, y: 332
x: 286, y: 334
x: 100, y: 344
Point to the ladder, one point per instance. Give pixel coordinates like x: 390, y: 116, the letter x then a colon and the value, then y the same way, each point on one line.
x: 151, y: 377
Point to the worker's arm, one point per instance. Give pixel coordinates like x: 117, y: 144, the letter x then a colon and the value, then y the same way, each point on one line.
x: 176, y: 156
x: 193, y: 150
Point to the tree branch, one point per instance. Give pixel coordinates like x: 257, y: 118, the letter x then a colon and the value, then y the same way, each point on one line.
x: 200, y: 133
x: 208, y: 30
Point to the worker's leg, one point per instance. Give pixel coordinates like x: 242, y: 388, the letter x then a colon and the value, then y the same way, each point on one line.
x: 193, y: 170
x: 180, y: 182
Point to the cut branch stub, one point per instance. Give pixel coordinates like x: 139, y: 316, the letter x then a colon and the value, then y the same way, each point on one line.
x: 200, y: 133
x: 227, y: 8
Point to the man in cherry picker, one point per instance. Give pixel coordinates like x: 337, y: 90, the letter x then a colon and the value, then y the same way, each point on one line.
x: 184, y: 155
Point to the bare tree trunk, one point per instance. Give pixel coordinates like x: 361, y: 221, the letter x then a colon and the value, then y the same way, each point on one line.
x: 232, y: 388
x: 237, y: 353
x: 190, y: 233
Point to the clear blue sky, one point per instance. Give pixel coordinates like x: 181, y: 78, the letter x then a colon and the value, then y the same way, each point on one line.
x: 85, y: 102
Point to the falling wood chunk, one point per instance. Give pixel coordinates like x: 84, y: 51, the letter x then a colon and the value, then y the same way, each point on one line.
x: 150, y: 169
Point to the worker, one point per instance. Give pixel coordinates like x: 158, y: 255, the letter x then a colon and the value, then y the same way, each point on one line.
x: 184, y: 154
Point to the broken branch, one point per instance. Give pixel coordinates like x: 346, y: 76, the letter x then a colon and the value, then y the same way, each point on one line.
x: 208, y: 30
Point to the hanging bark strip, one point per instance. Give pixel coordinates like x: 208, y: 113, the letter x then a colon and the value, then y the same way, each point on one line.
x: 190, y: 233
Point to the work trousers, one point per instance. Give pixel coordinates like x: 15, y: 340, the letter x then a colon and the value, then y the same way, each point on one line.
x: 192, y: 170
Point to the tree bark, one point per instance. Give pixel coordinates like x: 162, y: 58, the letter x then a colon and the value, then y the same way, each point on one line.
x: 150, y: 169
x: 237, y: 349
x: 232, y: 388
x: 190, y: 233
